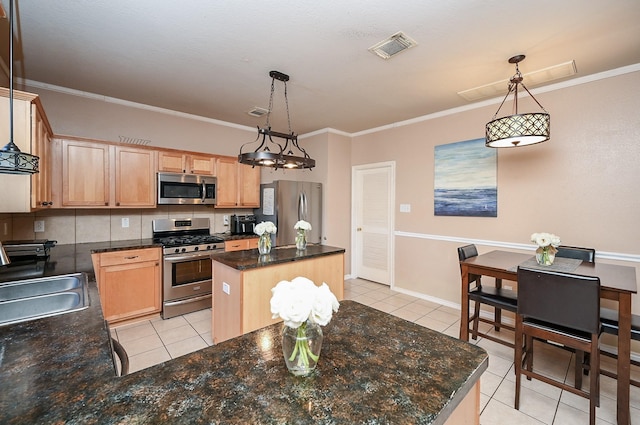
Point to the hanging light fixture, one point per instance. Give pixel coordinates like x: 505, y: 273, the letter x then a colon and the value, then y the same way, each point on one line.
x: 271, y: 153
x: 517, y: 129
x: 12, y: 160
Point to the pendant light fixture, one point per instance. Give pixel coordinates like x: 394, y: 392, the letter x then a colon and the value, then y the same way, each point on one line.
x: 271, y: 153
x: 12, y: 160
x: 517, y: 129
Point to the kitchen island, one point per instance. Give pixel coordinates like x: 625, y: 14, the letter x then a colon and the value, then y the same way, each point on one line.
x: 242, y: 282
x: 374, y: 368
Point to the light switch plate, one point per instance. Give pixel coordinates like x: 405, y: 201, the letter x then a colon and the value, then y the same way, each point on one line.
x: 125, y: 222
x: 405, y: 208
x: 226, y: 288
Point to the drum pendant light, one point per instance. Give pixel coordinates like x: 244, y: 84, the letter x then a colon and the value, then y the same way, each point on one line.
x: 279, y: 155
x: 517, y: 129
x: 12, y: 160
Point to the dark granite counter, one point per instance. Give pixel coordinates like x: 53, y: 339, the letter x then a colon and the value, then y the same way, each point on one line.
x: 374, y: 368
x: 250, y: 259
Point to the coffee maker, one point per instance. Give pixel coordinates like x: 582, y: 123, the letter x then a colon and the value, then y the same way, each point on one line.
x: 243, y: 224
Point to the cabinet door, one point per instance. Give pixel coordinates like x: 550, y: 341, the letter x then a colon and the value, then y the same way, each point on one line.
x: 85, y: 174
x: 227, y: 181
x: 202, y: 164
x: 41, y: 146
x: 135, y: 177
x: 130, y: 290
x: 248, y: 186
x: 171, y: 162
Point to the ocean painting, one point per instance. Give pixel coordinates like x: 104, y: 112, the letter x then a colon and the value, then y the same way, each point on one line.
x: 466, y: 180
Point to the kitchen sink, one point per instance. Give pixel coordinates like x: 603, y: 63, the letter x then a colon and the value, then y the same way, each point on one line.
x: 31, y: 299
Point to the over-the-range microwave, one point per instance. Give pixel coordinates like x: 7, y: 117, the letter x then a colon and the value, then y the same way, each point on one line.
x: 185, y: 189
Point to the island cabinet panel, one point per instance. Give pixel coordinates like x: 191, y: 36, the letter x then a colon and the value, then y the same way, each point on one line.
x: 247, y: 306
x: 129, y: 283
x: 177, y: 162
x: 240, y: 244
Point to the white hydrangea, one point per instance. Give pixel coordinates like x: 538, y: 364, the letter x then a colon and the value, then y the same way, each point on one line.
x: 302, y: 225
x: 300, y: 300
x: 265, y: 227
x: 545, y: 239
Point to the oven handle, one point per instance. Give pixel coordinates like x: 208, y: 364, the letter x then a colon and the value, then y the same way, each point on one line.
x: 187, y: 301
x: 188, y: 257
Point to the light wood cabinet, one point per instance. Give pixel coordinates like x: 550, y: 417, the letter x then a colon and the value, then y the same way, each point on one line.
x: 32, y: 134
x: 129, y: 283
x: 238, y: 184
x: 94, y: 174
x: 177, y: 162
x: 135, y: 177
x: 241, y: 244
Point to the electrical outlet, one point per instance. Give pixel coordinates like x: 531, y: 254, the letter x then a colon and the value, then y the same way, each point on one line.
x: 225, y: 220
x: 405, y: 208
x: 226, y: 288
x: 38, y: 226
x: 125, y: 222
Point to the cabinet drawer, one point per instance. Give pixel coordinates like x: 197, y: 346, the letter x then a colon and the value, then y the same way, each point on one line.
x: 129, y: 256
x: 240, y: 244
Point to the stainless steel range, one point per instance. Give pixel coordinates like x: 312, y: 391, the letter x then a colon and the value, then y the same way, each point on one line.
x: 186, y: 276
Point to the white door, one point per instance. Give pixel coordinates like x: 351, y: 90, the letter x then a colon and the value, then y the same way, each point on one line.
x: 372, y: 200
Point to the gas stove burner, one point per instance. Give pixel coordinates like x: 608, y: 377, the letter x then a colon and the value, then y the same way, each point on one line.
x: 179, y: 236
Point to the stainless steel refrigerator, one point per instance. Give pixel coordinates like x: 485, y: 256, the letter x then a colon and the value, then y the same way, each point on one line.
x: 284, y: 202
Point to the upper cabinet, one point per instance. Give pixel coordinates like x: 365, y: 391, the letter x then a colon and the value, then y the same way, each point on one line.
x: 178, y: 162
x: 94, y: 174
x: 32, y: 134
x: 238, y: 184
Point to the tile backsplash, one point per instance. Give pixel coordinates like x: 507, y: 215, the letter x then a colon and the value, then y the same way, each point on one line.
x: 98, y: 225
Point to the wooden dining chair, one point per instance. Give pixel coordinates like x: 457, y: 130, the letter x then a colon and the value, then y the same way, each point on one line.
x: 495, y: 296
x: 563, y: 308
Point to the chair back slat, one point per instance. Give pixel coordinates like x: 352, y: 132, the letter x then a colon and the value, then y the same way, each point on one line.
x: 467, y: 251
x: 564, y: 299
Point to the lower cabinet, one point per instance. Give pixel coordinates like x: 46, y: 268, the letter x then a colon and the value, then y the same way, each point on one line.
x: 129, y: 283
x: 240, y: 244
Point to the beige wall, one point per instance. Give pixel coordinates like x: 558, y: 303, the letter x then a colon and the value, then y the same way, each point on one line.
x: 582, y: 185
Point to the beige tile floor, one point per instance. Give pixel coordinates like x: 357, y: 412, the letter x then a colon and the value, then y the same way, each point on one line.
x: 154, y: 341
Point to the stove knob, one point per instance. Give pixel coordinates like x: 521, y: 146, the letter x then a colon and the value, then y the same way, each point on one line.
x: 196, y: 248
x: 208, y: 247
x: 184, y: 249
x: 177, y: 250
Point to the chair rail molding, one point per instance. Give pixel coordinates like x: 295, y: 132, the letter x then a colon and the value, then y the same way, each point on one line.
x: 600, y: 255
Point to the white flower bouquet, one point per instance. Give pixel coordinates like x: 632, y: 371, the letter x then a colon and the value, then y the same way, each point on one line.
x: 265, y: 227
x: 547, y: 247
x: 303, y: 306
x: 302, y: 225
x: 301, y: 233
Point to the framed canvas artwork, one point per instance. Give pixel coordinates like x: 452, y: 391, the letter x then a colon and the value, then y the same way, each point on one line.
x: 466, y: 182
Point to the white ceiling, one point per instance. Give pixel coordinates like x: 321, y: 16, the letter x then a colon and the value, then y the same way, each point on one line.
x: 212, y: 58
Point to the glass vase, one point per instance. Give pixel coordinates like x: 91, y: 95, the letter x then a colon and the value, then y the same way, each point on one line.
x: 545, y: 256
x: 264, y: 244
x: 301, y: 347
x: 301, y: 239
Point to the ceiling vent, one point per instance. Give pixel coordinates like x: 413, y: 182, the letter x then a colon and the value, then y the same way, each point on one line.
x: 256, y: 111
x: 134, y: 141
x: 532, y: 79
x: 397, y: 43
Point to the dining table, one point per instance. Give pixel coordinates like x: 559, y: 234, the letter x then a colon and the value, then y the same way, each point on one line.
x: 617, y: 283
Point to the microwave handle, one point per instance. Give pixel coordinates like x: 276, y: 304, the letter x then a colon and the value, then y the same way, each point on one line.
x: 204, y: 191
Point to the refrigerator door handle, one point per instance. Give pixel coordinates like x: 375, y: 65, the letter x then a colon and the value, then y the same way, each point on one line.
x: 302, y: 206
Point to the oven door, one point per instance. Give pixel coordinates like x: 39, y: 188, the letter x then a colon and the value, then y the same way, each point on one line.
x: 186, y: 275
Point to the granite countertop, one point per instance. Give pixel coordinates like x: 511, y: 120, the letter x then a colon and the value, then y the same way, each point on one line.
x: 374, y: 368
x: 250, y: 259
